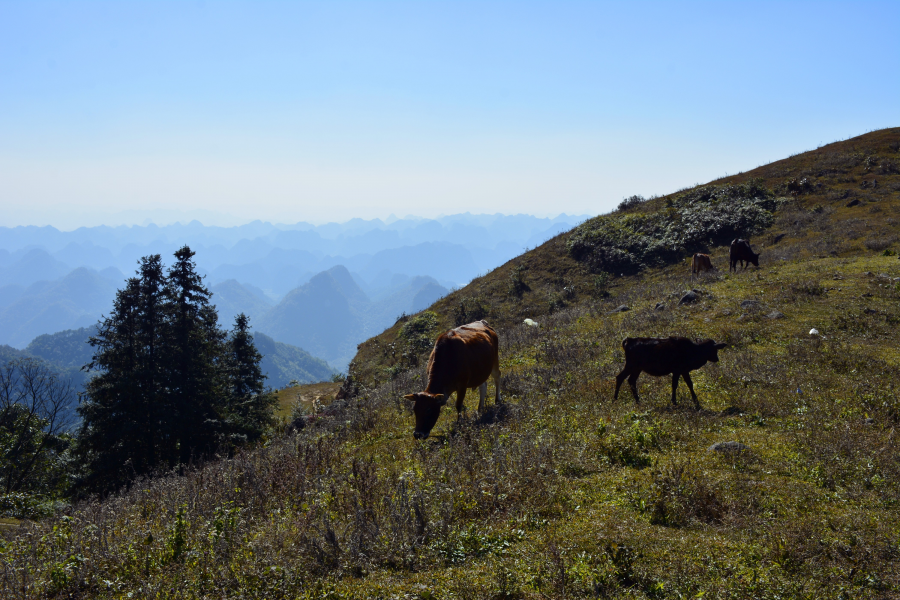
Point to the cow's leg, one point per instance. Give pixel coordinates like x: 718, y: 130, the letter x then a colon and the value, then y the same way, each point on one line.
x: 495, y: 374
x: 482, y: 392
x: 619, y: 379
x: 675, y: 377
x: 632, y: 383
x: 460, y: 397
x: 690, y: 384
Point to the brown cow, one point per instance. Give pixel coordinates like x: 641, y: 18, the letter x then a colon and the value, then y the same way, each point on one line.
x: 741, y: 251
x: 462, y: 358
x: 677, y: 356
x: 700, y: 263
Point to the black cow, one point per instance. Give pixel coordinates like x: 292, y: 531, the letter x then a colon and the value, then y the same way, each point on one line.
x: 677, y: 356
x: 741, y: 251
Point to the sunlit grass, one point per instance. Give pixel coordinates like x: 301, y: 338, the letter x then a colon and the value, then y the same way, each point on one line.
x: 561, y: 492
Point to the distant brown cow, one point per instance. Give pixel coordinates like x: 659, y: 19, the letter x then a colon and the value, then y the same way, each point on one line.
x: 741, y: 251
x: 676, y: 356
x: 700, y: 263
x: 462, y: 358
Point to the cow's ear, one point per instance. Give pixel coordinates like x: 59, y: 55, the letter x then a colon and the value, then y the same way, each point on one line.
x: 441, y: 399
x: 410, y: 396
x: 720, y: 345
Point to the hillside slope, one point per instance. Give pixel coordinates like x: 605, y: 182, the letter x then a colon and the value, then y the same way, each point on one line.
x: 837, y: 200
x: 785, y: 484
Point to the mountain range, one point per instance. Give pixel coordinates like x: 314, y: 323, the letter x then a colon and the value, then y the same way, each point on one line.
x: 322, y: 288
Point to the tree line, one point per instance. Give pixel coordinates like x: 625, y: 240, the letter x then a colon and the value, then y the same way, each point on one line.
x: 170, y: 388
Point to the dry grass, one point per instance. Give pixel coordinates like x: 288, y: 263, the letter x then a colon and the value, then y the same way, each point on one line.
x: 560, y: 492
x: 310, y: 398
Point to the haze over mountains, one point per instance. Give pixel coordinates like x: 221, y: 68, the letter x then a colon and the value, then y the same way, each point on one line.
x: 322, y: 288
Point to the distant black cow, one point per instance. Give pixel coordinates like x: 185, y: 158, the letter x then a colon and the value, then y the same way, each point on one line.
x: 741, y: 251
x: 677, y: 356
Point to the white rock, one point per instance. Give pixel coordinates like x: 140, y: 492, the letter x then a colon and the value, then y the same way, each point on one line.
x: 813, y: 331
x: 531, y: 323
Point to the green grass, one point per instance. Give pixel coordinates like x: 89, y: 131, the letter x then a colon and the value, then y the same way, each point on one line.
x: 562, y: 492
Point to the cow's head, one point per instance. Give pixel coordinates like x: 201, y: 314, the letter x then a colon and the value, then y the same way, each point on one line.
x: 427, y: 408
x: 754, y: 258
x: 713, y: 348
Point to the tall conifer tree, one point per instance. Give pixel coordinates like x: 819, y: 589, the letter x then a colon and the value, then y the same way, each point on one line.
x: 251, y: 404
x: 123, y: 426
x: 172, y: 386
x: 194, y: 346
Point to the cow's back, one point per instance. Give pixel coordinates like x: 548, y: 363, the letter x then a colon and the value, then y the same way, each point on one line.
x: 662, y: 356
x: 463, y: 357
x: 741, y: 250
x: 701, y: 262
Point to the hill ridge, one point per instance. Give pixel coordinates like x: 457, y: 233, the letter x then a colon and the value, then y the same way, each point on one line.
x: 831, y: 183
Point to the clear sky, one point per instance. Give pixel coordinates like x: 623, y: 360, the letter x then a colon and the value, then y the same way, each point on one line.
x: 326, y: 111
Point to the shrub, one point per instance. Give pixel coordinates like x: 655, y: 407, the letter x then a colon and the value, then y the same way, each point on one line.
x: 19, y: 505
x: 888, y: 167
x: 517, y: 285
x: 680, y: 495
x: 631, y: 202
x: 880, y: 244
x: 418, y: 326
x: 417, y: 334
x: 631, y: 447
x: 555, y: 302
x: 703, y: 216
x: 797, y: 187
x: 470, y: 309
x: 601, y: 284
x: 808, y: 288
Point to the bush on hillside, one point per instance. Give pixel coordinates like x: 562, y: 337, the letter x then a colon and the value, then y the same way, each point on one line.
x: 601, y: 284
x: 35, y: 440
x: 418, y: 331
x: 517, y: 285
x: 417, y: 336
x: 470, y: 309
x: 631, y: 202
x: 691, y: 222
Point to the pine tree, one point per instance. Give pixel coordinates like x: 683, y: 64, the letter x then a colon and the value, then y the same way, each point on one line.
x: 194, y: 346
x: 251, y: 404
x: 172, y: 387
x: 124, y: 417
x: 151, y: 373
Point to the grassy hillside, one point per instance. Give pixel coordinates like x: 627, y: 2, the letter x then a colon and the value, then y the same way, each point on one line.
x: 838, y: 200
x: 310, y: 398
x: 560, y: 492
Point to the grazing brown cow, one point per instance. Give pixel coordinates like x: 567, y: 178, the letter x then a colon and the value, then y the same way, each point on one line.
x: 677, y: 356
x: 741, y: 251
x: 462, y: 358
x: 700, y: 263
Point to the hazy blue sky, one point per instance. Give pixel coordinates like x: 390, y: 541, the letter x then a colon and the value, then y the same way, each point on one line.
x: 326, y: 111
